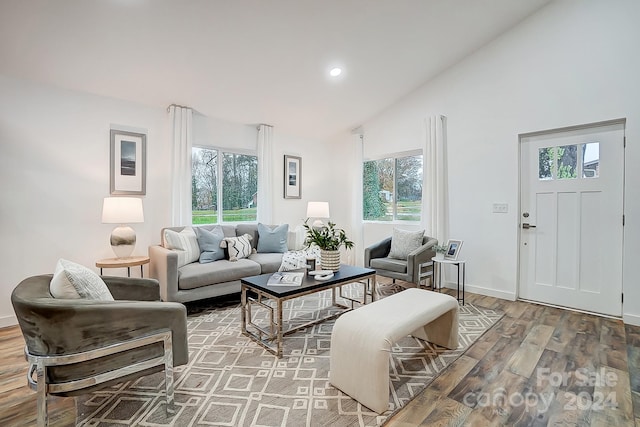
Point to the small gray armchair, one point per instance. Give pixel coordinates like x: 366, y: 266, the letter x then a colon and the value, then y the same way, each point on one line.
x: 415, y: 269
x: 75, y: 346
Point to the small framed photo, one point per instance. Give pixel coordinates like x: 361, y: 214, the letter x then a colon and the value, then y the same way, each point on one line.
x: 128, y: 168
x: 453, y: 249
x: 292, y: 177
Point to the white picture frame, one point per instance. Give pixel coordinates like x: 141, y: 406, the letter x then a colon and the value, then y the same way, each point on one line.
x: 292, y: 177
x: 453, y: 249
x: 128, y: 163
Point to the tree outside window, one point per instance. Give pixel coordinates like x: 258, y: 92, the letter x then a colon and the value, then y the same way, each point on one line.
x: 392, y: 189
x: 224, y: 182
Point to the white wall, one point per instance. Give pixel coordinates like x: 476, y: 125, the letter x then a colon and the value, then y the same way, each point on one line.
x: 571, y: 63
x: 54, y: 174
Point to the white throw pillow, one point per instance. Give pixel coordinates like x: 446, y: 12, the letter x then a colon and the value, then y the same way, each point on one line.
x: 185, y: 243
x: 73, y: 281
x: 237, y: 247
x: 404, y: 242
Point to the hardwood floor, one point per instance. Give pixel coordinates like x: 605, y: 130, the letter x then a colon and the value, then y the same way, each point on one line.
x: 538, y: 366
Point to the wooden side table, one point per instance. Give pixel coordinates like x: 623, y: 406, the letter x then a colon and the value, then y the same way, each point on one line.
x: 128, y: 262
x: 437, y: 271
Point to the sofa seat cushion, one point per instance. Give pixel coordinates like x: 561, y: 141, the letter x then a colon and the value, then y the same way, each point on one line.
x: 269, y: 262
x: 389, y: 264
x: 195, y: 275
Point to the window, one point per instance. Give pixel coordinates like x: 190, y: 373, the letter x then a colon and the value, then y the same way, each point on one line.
x: 569, y: 161
x: 223, y: 182
x: 392, y: 188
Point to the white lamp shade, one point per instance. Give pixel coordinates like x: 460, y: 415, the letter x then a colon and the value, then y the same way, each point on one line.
x: 318, y: 210
x: 122, y: 210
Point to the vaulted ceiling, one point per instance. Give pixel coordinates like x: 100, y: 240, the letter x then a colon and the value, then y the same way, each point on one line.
x: 251, y: 61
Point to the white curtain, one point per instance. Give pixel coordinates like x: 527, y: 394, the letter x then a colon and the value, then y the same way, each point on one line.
x: 435, y: 204
x: 182, y: 126
x: 265, y: 174
x: 357, y: 227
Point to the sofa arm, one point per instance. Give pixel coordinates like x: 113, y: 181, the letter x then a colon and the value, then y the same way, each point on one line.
x: 134, y: 289
x: 419, y: 256
x: 163, y: 266
x: 377, y: 250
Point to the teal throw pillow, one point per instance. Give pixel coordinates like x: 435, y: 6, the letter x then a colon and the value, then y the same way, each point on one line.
x: 209, y: 242
x: 273, y: 240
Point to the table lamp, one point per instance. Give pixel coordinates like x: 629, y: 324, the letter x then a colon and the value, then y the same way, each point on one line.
x: 318, y: 210
x: 122, y: 210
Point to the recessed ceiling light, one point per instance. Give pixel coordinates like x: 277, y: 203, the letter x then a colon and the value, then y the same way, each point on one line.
x: 335, y: 72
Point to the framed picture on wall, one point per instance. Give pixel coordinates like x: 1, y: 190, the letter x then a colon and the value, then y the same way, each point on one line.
x: 292, y: 177
x: 128, y: 163
x: 453, y: 249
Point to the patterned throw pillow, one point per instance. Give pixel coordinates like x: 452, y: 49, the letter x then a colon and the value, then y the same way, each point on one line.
x: 73, y: 281
x: 404, y: 242
x: 185, y: 243
x: 209, y: 242
x: 238, y: 247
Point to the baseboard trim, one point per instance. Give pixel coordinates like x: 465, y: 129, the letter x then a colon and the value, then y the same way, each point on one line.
x: 509, y: 296
x: 8, y: 321
x: 631, y: 319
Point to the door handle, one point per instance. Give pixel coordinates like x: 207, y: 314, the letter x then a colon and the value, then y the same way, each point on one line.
x: 525, y: 225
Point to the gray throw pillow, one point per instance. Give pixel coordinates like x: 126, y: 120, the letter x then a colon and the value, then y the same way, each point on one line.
x: 404, y: 242
x: 273, y: 240
x: 209, y: 242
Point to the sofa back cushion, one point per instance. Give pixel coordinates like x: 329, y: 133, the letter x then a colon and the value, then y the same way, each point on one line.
x: 251, y: 230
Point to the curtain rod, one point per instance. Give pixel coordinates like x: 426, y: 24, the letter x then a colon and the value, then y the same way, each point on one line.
x: 176, y: 105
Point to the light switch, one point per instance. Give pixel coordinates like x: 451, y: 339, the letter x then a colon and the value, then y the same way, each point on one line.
x: 500, y: 208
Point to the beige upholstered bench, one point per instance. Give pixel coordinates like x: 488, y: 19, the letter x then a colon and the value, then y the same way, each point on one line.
x: 361, y: 340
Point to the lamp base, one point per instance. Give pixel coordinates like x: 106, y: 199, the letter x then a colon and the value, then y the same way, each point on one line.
x: 123, y: 240
x: 318, y: 223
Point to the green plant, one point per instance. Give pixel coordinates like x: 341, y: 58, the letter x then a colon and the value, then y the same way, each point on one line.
x: 439, y: 249
x: 327, y: 238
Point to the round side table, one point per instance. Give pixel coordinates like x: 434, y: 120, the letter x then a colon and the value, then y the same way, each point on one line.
x: 128, y: 262
x: 437, y: 272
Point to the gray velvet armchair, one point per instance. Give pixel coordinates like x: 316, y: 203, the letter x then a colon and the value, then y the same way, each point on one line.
x: 415, y: 269
x: 75, y: 346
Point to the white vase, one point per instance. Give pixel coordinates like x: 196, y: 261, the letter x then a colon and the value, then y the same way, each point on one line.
x: 330, y: 260
x: 439, y: 255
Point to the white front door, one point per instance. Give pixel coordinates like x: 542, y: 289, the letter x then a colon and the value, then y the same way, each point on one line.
x: 571, y: 217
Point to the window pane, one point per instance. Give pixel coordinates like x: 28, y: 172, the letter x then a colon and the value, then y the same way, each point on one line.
x: 378, y: 190
x: 545, y: 163
x: 567, y: 161
x: 591, y: 160
x: 204, y: 185
x: 409, y: 188
x: 239, y: 187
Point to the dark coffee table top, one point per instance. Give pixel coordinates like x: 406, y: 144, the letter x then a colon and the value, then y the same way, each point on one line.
x: 346, y: 274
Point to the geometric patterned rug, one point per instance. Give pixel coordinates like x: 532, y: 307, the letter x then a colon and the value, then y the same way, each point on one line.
x: 232, y: 381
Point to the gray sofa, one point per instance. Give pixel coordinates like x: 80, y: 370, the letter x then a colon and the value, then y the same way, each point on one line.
x: 197, y: 281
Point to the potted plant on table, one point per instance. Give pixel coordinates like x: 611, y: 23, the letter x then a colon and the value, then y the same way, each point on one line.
x: 329, y: 239
x: 440, y: 250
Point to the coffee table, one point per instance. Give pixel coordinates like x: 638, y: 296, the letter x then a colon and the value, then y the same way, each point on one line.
x: 255, y: 290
